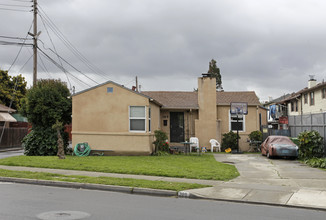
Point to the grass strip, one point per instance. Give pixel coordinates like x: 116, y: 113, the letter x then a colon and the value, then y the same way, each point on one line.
x: 182, y: 166
x: 175, y: 186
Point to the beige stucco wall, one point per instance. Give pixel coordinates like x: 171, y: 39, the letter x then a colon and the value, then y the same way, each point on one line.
x: 102, y: 119
x: 318, y: 107
x: 189, y: 122
x: 292, y: 113
x: 251, y: 122
x: 206, y: 124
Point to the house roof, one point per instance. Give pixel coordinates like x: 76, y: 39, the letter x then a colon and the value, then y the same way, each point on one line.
x: 225, y: 98
x: 189, y: 100
x: 114, y: 83
x: 305, y: 90
x: 279, y: 99
x: 175, y: 99
x: 4, y: 108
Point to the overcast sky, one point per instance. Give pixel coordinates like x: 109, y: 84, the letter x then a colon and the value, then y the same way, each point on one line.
x: 268, y: 46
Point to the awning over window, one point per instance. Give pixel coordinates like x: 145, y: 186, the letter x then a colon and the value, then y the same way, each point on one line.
x: 4, y: 116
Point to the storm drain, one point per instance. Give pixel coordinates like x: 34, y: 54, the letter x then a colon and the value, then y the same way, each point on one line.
x: 63, y: 215
x: 229, y: 162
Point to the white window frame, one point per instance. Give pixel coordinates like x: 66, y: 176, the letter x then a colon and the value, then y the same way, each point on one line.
x: 243, y: 123
x: 144, y: 118
x: 149, y: 119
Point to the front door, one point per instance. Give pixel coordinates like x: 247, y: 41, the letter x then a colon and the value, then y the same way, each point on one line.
x: 176, y: 127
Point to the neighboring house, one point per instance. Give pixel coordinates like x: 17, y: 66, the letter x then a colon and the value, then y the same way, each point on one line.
x: 12, y: 129
x: 307, y: 109
x: 277, y: 113
x: 112, y: 117
x: 5, y: 115
x: 310, y: 100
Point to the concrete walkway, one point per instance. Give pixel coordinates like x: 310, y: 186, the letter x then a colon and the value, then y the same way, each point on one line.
x: 278, y: 181
x: 261, y: 181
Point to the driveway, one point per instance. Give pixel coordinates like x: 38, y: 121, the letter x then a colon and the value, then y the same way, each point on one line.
x: 277, y: 181
x: 258, y: 170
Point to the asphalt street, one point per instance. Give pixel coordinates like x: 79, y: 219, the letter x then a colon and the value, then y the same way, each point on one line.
x: 11, y: 153
x: 20, y: 201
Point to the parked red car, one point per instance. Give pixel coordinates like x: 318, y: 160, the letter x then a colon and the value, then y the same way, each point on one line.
x: 279, y: 146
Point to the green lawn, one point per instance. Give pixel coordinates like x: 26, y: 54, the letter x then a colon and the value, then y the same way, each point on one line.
x: 183, y: 166
x: 175, y: 186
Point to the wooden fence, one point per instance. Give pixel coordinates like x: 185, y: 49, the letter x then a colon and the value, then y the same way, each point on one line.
x: 12, y: 137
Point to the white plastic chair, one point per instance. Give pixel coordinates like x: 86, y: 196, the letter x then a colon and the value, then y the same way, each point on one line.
x: 216, y: 144
x: 194, y: 143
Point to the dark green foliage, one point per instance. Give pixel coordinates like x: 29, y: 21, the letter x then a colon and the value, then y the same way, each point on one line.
x: 8, y: 92
x: 215, y: 72
x: 43, y: 142
x: 229, y: 140
x: 295, y: 141
x: 316, y: 162
x: 161, y: 143
x: 256, y: 136
x: 45, y: 104
x: 311, y: 145
x: 48, y: 102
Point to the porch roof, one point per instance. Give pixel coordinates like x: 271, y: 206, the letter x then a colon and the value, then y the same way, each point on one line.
x: 189, y: 100
x: 4, y: 108
x: 175, y: 99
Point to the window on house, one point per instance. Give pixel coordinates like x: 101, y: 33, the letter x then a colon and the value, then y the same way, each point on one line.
x: 109, y: 89
x: 312, y: 98
x: 296, y: 105
x: 305, y: 96
x: 323, y: 93
x: 137, y: 118
x: 234, y: 125
x: 149, y: 119
x: 292, y: 106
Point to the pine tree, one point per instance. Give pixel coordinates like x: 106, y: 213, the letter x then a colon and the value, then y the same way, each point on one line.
x: 215, y: 72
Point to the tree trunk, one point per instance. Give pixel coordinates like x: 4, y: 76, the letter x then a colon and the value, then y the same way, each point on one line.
x: 61, y: 152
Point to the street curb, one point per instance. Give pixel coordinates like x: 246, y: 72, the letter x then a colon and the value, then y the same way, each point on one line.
x: 90, y: 186
x: 193, y: 196
x: 10, y: 149
x: 141, y: 191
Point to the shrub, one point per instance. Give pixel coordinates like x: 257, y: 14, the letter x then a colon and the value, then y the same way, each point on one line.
x: 316, y: 162
x: 295, y: 141
x: 161, y: 143
x: 43, y: 142
x: 46, y: 103
x: 229, y: 140
x: 311, y: 145
x: 256, y: 136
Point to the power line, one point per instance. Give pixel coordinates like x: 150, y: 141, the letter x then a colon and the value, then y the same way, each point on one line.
x: 61, y: 67
x: 69, y: 64
x: 9, y: 9
x: 15, y: 38
x: 14, y: 43
x: 20, y: 0
x: 69, y: 45
x: 55, y: 50
x: 25, y: 64
x: 22, y: 6
x: 19, y: 50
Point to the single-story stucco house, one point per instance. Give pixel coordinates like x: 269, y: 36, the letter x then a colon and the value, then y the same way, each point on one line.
x: 122, y: 121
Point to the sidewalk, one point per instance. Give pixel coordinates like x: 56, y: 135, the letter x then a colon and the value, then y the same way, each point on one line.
x: 262, y: 181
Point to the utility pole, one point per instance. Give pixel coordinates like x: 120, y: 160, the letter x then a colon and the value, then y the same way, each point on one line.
x: 35, y: 35
x: 136, y: 84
